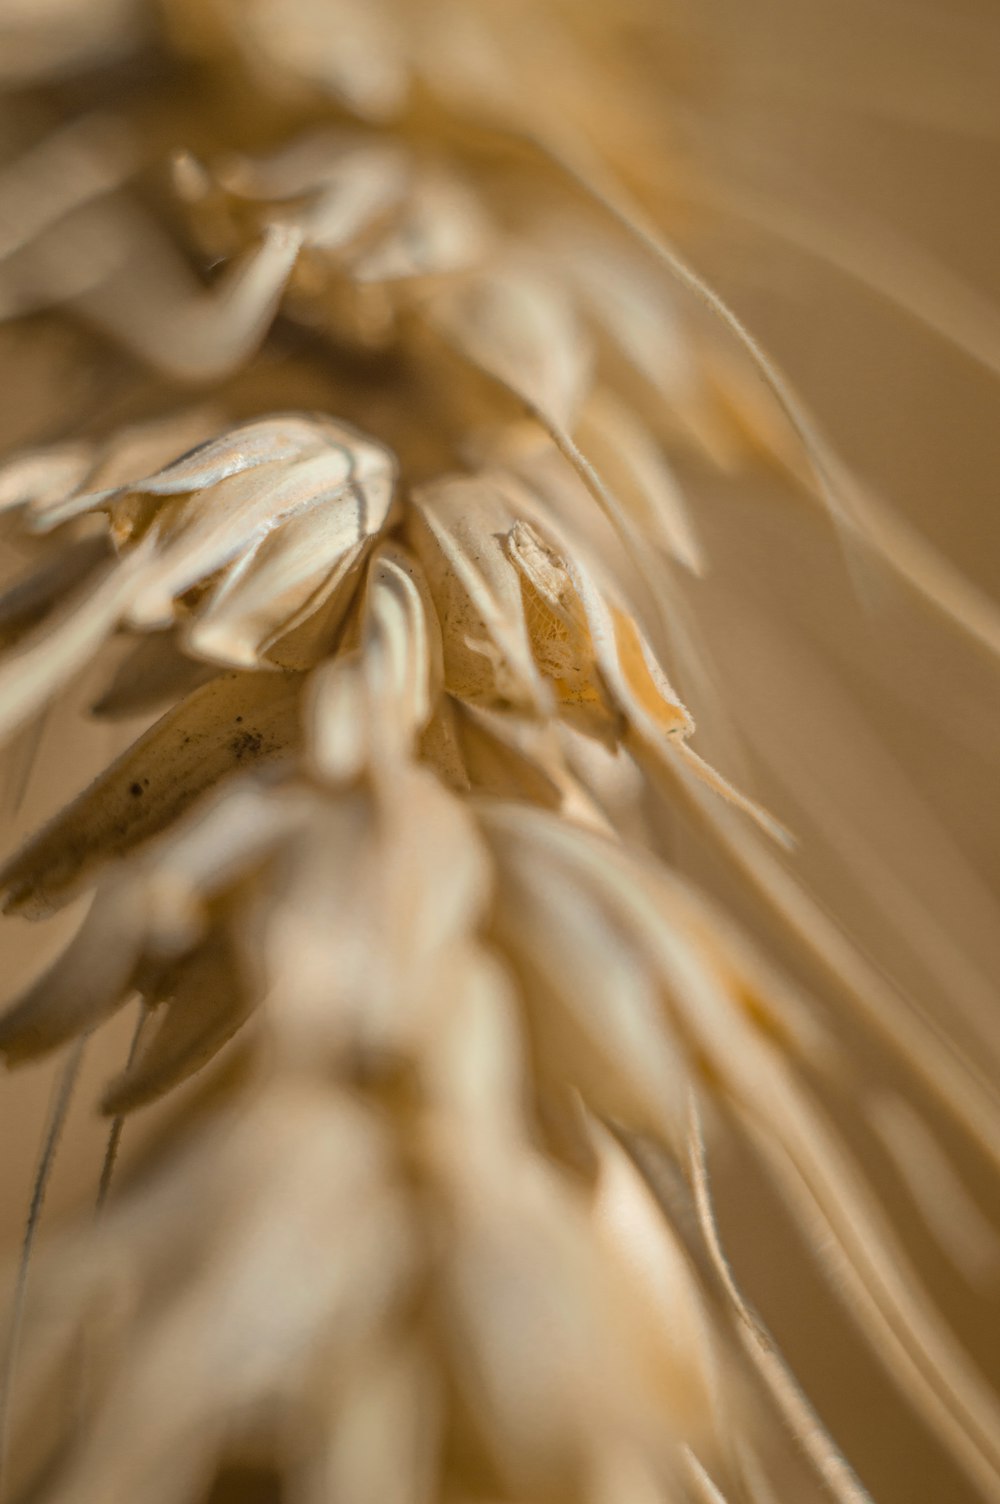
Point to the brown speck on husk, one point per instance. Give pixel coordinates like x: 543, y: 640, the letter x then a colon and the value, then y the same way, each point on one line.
x: 517, y: 830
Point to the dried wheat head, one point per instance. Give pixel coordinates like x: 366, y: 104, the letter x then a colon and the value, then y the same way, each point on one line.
x: 379, y: 543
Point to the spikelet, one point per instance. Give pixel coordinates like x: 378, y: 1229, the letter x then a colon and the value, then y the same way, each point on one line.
x: 381, y: 530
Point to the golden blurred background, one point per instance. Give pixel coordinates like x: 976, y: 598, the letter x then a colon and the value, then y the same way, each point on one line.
x: 836, y: 143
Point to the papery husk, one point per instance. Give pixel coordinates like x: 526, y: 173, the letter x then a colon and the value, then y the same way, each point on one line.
x: 383, y: 492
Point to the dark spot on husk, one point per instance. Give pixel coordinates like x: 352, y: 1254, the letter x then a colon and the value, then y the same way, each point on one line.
x: 246, y: 744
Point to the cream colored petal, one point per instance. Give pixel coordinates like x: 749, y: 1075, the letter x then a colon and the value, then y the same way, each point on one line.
x: 635, y: 680
x: 548, y: 491
x: 604, y: 671
x: 613, y: 782
x: 357, y: 923
x: 598, y: 669
x: 339, y: 728
x: 284, y: 436
x: 617, y: 1472
x: 634, y: 466
x: 89, y: 156
x: 360, y: 189
x: 520, y: 328
x: 433, y: 852
x: 457, y: 528
x: 662, y: 1307
x: 113, y: 265
x: 655, y: 918
x: 508, y: 759
x: 167, y: 319
x: 87, y: 982
x: 196, y: 535
x: 143, y: 448
x: 782, y: 1010
x: 492, y: 752
x: 350, y: 477
x: 210, y: 460
x: 200, y: 1005
x: 235, y: 721
x: 440, y: 748
x: 210, y: 848
x: 704, y: 996
x: 312, y: 161
x: 472, y: 1057
x: 635, y: 310
x: 369, y: 707
x: 47, y: 658
x: 384, y: 1437
x: 151, y: 674
x: 295, y: 1174
x: 595, y: 997
x: 653, y: 721
x: 628, y: 299
x: 310, y: 563
x: 560, y: 634
x: 82, y: 252
x: 30, y: 600
x: 150, y: 911
x: 42, y: 476
x: 442, y: 229
x: 401, y: 629
x: 118, y: 463
x: 518, y: 1264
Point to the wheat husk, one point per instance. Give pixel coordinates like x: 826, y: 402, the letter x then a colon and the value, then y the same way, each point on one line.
x: 375, y: 552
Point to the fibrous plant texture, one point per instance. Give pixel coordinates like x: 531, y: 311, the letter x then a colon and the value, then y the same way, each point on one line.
x: 360, y: 401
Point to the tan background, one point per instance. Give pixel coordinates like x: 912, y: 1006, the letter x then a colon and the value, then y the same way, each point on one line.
x: 884, y: 115
x: 880, y: 111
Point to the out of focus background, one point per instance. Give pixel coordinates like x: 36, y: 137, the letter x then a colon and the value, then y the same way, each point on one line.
x: 849, y: 211
x: 875, y: 124
x: 861, y: 139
